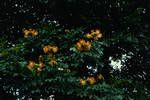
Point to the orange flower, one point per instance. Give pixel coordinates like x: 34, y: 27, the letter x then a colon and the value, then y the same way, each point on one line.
x: 50, y: 49
x: 88, y: 35
x: 81, y: 41
x: 88, y: 45
x: 34, y: 32
x: 55, y: 49
x: 95, y: 34
x: 91, y: 80
x: 79, y: 46
x: 30, y: 32
x: 26, y: 33
x: 45, y: 49
x: 53, y: 62
x: 97, y: 31
x: 83, y: 82
x: 83, y: 45
x: 31, y: 65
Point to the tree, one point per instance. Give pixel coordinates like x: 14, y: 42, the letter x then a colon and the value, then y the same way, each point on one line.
x: 91, y: 50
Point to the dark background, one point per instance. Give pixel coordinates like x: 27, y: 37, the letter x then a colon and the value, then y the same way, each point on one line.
x: 111, y: 15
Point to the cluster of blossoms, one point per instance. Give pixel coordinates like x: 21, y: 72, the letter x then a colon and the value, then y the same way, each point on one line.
x: 91, y: 80
x: 94, y: 34
x: 51, y: 50
x: 83, y: 45
x: 30, y: 32
x: 38, y: 66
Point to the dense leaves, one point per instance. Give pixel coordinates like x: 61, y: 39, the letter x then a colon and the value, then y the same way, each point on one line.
x: 60, y: 71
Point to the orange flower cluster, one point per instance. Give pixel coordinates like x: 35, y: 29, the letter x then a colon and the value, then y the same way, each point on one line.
x: 30, y: 32
x: 31, y: 65
x: 50, y: 49
x: 83, y: 45
x: 91, y: 80
x: 95, y: 34
x: 39, y: 66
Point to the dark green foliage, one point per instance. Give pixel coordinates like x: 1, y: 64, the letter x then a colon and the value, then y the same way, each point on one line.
x: 14, y: 72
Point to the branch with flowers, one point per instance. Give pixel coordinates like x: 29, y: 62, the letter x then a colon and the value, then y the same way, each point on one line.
x: 54, y: 61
